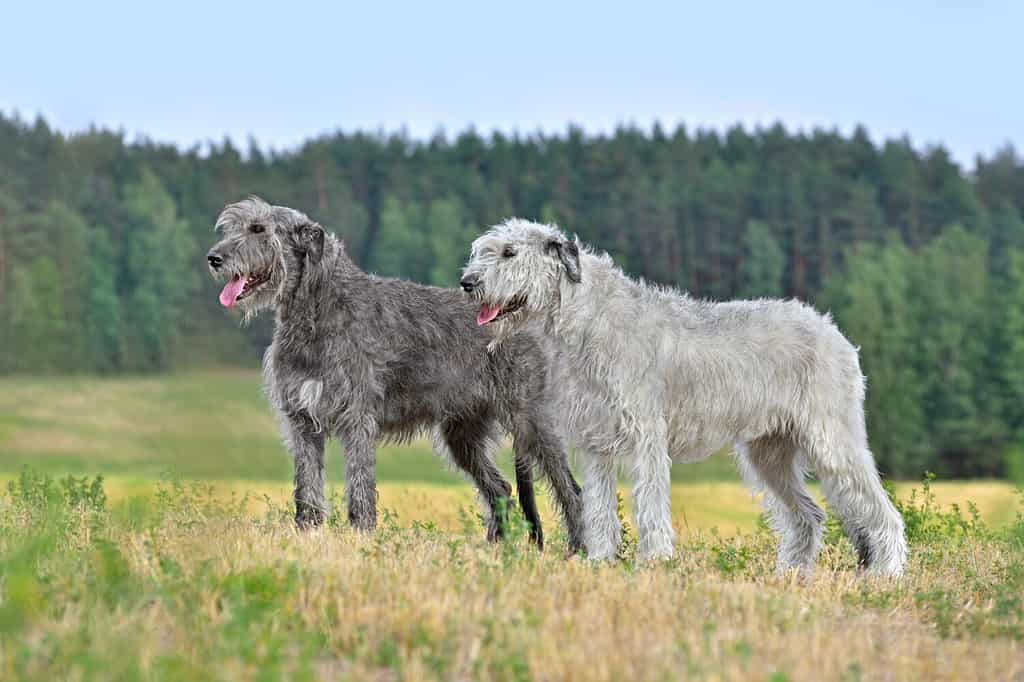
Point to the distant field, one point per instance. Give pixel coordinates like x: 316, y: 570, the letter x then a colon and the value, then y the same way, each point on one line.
x: 215, y: 426
x: 212, y: 424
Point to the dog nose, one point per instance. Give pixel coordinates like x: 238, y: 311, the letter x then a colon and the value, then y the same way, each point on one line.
x: 214, y: 259
x: 468, y: 283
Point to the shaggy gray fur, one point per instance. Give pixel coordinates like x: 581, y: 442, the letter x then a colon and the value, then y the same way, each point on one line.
x: 366, y: 358
x: 654, y: 376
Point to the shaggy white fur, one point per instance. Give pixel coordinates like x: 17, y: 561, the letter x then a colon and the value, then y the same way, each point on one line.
x: 654, y: 376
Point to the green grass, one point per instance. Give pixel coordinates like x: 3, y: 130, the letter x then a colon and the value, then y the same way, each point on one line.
x: 210, y: 425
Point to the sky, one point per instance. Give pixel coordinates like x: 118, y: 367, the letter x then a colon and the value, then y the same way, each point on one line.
x: 189, y: 72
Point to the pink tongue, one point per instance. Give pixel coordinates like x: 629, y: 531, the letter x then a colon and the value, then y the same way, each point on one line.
x: 487, y: 314
x: 231, y: 290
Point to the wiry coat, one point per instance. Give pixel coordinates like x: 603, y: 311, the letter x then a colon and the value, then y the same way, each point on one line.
x: 367, y: 358
x: 656, y: 376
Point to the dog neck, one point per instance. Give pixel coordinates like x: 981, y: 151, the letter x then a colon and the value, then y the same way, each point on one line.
x: 311, y: 288
x: 577, y: 312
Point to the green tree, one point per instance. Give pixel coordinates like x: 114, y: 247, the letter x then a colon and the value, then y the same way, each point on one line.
x: 951, y: 287
x: 1007, y: 236
x: 799, y: 231
x: 716, y: 209
x: 158, y: 273
x: 449, y: 238
x: 763, y: 262
x: 861, y: 215
x: 403, y: 247
x: 102, y: 317
x: 10, y: 214
x: 66, y: 236
x: 871, y: 302
x: 1007, y: 346
x: 37, y: 320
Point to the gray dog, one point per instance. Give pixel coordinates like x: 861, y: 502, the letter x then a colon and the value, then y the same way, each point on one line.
x: 366, y: 358
x: 654, y: 376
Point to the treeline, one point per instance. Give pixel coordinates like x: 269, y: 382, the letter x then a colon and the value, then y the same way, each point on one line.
x: 102, y: 243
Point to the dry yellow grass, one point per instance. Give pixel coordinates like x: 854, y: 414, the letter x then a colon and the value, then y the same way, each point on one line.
x: 570, y: 620
x: 187, y: 583
x: 217, y: 596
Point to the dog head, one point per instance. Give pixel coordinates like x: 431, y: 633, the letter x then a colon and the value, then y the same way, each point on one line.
x: 516, y: 270
x: 260, y: 246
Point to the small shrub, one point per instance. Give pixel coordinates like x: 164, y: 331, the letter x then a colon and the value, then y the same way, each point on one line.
x: 1015, y: 531
x: 627, y: 547
x: 925, y: 521
x: 84, y: 494
x: 730, y: 557
x: 74, y: 508
x: 337, y: 517
x: 32, y: 491
x: 515, y: 528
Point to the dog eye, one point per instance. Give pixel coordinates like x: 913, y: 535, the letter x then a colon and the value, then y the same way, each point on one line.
x: 508, y: 252
x: 257, y: 228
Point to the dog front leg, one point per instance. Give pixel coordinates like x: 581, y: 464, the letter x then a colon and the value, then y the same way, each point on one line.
x: 305, y: 441
x: 361, y: 478
x: 601, y: 506
x: 652, y: 496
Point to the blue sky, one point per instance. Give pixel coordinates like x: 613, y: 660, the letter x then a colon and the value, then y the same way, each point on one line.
x: 940, y: 72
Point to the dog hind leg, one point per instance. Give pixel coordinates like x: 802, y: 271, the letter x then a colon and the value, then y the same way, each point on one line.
x: 469, y: 442
x: 771, y: 464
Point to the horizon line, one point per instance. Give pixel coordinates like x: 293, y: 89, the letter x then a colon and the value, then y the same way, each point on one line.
x: 203, y: 146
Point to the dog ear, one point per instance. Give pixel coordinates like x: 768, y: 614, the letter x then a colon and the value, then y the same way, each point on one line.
x: 311, y: 241
x: 569, y: 253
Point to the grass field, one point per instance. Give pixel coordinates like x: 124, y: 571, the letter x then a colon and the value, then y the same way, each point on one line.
x: 210, y: 425
x: 215, y: 427
x: 182, y: 564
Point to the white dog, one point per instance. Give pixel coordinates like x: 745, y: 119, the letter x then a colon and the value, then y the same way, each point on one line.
x: 654, y: 376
